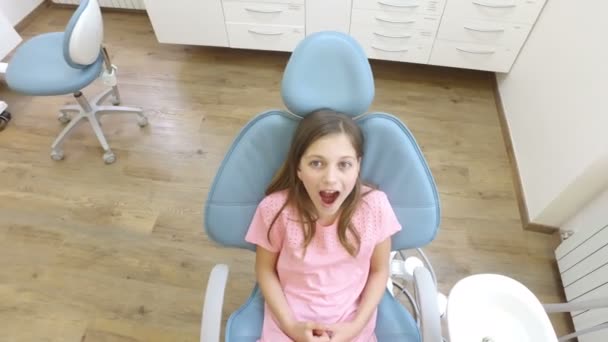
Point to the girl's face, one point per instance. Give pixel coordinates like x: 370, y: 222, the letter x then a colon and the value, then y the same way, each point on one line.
x: 329, y: 169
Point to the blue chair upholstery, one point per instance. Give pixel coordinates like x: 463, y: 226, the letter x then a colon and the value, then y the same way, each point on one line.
x: 326, y: 70
x: 393, y: 323
x: 44, y: 65
x: 39, y: 68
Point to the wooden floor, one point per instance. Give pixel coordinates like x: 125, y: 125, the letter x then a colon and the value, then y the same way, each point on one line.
x: 91, y: 252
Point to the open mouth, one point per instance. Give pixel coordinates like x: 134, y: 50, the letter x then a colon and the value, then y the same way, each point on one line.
x: 329, y: 196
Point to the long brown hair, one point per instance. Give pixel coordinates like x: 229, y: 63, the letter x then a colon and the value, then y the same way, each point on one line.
x: 312, y: 127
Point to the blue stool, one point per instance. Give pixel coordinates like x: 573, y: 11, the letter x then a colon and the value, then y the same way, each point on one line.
x: 60, y: 63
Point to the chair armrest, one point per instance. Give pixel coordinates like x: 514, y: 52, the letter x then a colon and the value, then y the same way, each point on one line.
x: 583, y: 332
x: 426, y: 296
x: 211, y: 321
x: 597, y: 303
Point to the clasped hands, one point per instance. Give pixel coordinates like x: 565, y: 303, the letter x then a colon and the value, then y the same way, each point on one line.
x: 315, y: 332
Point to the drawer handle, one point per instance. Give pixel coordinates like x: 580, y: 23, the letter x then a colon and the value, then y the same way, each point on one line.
x: 484, y: 30
x: 399, y: 5
x: 478, y: 52
x: 479, y: 3
x: 391, y: 36
x: 265, y: 33
x: 262, y: 11
x: 387, y: 50
x: 396, y: 21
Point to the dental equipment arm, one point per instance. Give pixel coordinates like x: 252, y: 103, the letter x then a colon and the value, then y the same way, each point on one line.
x: 576, y: 306
x: 582, y: 332
x: 211, y: 322
x: 426, y: 296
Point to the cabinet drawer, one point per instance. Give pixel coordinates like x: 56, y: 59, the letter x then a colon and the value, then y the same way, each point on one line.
x: 390, y: 39
x: 431, y: 7
x: 472, y: 56
x: 264, y: 13
x: 411, y: 54
x: 485, y: 32
x: 394, y: 51
x: 393, y: 21
x: 264, y: 37
x: 515, y: 11
x: 301, y: 2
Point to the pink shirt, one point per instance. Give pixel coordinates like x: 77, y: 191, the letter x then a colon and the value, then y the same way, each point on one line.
x: 325, y: 286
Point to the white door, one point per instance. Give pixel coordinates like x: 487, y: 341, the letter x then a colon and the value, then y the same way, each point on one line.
x: 190, y: 22
x: 9, y: 38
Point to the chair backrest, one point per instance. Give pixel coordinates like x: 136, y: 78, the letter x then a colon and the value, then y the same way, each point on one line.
x: 326, y: 70
x: 83, y: 35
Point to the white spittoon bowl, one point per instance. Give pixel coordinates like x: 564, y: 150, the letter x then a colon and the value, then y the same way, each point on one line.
x: 495, y: 308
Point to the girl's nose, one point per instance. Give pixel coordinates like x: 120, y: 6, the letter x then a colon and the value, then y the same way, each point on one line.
x: 330, y: 175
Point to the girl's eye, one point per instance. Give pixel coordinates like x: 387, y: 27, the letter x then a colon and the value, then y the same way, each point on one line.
x: 345, y: 165
x: 315, y: 163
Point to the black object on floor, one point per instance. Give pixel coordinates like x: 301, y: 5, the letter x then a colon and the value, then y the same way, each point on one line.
x: 5, y: 117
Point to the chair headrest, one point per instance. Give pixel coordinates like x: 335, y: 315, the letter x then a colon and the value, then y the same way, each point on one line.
x: 328, y: 70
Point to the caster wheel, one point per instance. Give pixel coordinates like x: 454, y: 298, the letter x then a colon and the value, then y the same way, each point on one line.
x: 5, y: 117
x: 116, y: 103
x: 109, y: 157
x: 64, y: 118
x: 57, y: 155
x: 142, y: 121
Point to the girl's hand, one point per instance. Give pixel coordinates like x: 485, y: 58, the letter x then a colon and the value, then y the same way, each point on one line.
x: 307, y: 332
x: 343, y: 332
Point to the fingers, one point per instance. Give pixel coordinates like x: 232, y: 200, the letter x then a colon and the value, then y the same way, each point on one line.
x: 319, y: 326
x: 317, y: 332
x: 320, y: 338
x: 316, y: 327
x: 323, y: 338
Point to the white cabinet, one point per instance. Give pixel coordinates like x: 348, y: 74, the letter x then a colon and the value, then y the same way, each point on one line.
x: 514, y: 11
x: 262, y: 37
x: 472, y: 56
x: 264, y: 25
x: 472, y: 34
x: 396, y: 30
x: 262, y: 13
x: 193, y: 22
x: 328, y: 15
x: 430, y: 7
x: 484, y: 34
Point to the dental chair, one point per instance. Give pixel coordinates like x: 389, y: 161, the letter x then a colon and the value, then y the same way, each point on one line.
x: 60, y: 63
x: 326, y: 70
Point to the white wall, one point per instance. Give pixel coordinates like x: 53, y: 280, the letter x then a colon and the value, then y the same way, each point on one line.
x: 556, y: 104
x: 16, y: 10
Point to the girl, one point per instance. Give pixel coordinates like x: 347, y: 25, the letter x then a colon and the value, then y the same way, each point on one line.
x: 323, y: 238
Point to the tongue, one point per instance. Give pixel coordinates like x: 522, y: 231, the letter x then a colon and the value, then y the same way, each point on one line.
x: 329, y: 197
